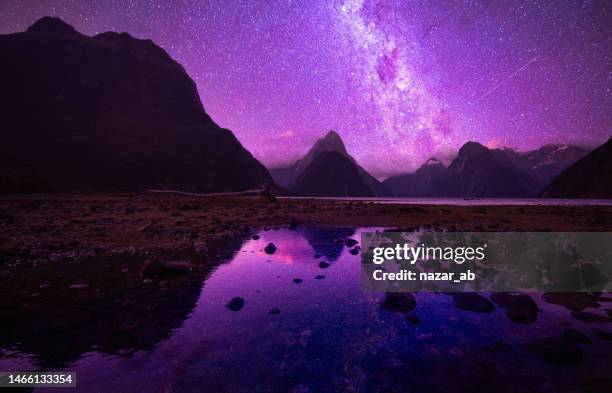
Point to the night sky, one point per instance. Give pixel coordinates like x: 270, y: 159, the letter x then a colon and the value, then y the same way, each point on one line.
x: 400, y: 81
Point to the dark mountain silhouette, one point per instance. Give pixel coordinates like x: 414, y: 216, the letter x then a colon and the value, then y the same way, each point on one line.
x: 477, y: 172
x: 545, y: 163
x: 109, y: 112
x: 320, y: 173
x: 591, y: 177
x: 427, y: 181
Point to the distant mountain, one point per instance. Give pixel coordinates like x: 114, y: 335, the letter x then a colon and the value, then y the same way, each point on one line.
x: 477, y: 172
x: 591, y: 177
x: 545, y: 163
x: 109, y: 112
x: 342, y: 176
x: 428, y: 181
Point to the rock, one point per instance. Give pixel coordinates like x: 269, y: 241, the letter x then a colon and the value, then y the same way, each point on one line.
x: 576, y: 336
x: 147, y: 281
x: 586, y: 316
x: 413, y: 319
x: 573, y: 301
x: 79, y: 286
x: 177, y: 267
x: 200, y: 247
x: 556, y: 350
x: 603, y: 334
x: 522, y: 309
x: 235, y: 304
x: 319, y: 277
x: 472, y: 301
x: 297, y: 280
x: 350, y: 242
x: 156, y: 268
x: 125, y: 270
x: 324, y: 265
x: 255, y: 237
x: 355, y: 250
x: 399, y: 301
x: 152, y: 268
x: 274, y: 310
x: 270, y: 248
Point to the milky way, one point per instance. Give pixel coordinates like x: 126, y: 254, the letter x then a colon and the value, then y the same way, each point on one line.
x: 400, y: 81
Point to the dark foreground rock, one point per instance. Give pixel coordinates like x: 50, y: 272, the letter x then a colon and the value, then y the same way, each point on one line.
x: 399, y: 301
x: 522, y: 309
x: 270, y: 248
x: 573, y: 301
x: 235, y: 304
x: 472, y: 301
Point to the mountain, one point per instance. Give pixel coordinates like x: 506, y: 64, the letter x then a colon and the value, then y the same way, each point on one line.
x: 309, y: 176
x: 427, y: 181
x: 591, y: 177
x: 545, y: 163
x: 109, y: 112
x: 477, y: 172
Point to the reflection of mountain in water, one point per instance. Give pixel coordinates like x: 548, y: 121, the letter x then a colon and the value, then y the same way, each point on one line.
x: 118, y: 313
x: 328, y: 242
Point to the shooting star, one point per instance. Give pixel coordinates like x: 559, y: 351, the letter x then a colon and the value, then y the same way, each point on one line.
x: 505, y: 80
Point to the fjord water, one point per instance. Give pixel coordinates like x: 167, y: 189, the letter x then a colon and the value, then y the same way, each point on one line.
x: 326, y: 335
x: 473, y: 201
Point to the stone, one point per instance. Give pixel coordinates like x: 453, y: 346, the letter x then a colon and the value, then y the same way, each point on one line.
x: 319, y: 277
x: 297, y: 280
x: 522, y: 309
x: 235, y: 304
x: 270, y: 248
x: 573, y: 301
x: 350, y: 242
x: 324, y: 265
x: 79, y: 286
x: 472, y: 301
x: 399, y: 301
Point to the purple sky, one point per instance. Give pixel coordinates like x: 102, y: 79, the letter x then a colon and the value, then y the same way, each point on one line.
x: 400, y: 81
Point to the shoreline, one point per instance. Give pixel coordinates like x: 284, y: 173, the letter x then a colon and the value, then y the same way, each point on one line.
x: 45, y: 227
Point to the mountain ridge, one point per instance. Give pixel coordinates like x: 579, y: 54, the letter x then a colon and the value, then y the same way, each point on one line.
x: 109, y: 112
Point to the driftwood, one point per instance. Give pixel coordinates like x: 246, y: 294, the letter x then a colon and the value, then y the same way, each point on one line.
x: 266, y: 193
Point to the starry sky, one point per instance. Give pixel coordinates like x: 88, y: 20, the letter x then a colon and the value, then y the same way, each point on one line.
x: 399, y: 80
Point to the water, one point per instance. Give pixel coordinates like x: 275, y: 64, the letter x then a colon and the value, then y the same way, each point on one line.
x: 329, y: 335
x: 473, y: 201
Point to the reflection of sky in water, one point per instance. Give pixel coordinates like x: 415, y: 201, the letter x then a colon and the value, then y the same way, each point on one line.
x: 331, y: 336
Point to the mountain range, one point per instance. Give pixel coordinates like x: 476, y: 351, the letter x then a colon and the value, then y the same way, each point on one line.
x: 109, y: 112
x: 480, y: 172
x: 328, y: 170
x: 590, y: 177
